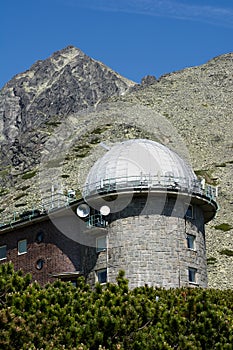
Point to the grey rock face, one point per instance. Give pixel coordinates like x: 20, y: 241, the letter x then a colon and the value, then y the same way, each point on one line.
x: 148, y: 80
x: 66, y: 82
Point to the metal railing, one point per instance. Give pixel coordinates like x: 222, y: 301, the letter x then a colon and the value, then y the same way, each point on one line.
x: 48, y: 204
x: 112, y: 185
x: 96, y: 220
x: 148, y: 182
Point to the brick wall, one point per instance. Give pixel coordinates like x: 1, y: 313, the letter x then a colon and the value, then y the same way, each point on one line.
x: 58, y: 252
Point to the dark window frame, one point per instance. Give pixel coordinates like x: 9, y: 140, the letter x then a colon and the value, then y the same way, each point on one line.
x: 101, y: 276
x: 98, y: 248
x: 25, y: 250
x: 189, y: 212
x: 40, y: 236
x: 39, y: 264
x: 192, y: 275
x: 191, y: 241
x: 5, y: 255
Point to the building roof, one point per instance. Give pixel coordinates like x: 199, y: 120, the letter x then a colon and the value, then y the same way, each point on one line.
x: 139, y: 160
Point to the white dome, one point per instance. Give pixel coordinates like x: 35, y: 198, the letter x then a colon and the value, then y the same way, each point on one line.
x: 139, y: 161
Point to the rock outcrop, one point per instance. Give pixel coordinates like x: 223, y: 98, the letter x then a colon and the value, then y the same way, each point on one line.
x: 65, y: 83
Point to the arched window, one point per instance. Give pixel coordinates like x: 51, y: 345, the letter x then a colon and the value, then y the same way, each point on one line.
x: 39, y: 264
x: 40, y: 236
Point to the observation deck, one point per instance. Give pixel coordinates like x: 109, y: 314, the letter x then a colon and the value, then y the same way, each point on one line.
x: 191, y: 190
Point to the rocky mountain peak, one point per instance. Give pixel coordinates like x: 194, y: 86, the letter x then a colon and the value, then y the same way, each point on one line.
x: 64, y: 83
x: 59, y: 59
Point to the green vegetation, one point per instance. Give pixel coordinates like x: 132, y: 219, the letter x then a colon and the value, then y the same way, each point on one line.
x: 24, y: 188
x: 29, y: 175
x: 82, y: 150
x: 65, y: 176
x: 4, y: 172
x: 223, y: 227
x: 101, y: 130
x: 78, y: 194
x: 166, y: 114
x: 80, y: 147
x: 221, y: 165
x: 1, y: 210
x: 20, y: 196
x: 50, y: 123
x: 95, y: 140
x: 227, y: 252
x: 82, y: 155
x: 207, y: 175
x: 61, y: 316
x: 89, y: 140
x: 211, y: 260
x: 3, y: 191
x: 18, y: 205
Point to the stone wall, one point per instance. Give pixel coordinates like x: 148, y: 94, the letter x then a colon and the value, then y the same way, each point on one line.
x: 152, y: 248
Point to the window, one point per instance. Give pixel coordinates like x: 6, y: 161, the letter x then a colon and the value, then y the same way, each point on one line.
x: 101, y: 244
x: 101, y: 276
x: 22, y: 247
x: 39, y: 264
x: 191, y: 242
x: 189, y: 212
x: 192, y: 275
x: 74, y: 283
x: 39, y: 236
x: 3, y: 252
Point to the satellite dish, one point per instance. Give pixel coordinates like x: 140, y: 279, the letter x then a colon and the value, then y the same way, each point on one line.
x: 104, y: 210
x: 83, y: 210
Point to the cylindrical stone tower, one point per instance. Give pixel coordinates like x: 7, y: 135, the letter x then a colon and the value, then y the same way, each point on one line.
x: 152, y: 210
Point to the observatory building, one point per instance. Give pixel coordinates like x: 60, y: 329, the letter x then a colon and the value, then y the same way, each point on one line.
x: 142, y: 210
x: 154, y: 212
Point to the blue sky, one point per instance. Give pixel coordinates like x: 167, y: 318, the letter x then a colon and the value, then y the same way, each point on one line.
x: 133, y: 37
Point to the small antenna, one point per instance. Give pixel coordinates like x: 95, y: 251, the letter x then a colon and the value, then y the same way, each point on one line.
x: 104, y: 146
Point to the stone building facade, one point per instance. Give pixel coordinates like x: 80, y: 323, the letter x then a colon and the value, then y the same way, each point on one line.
x: 153, y: 249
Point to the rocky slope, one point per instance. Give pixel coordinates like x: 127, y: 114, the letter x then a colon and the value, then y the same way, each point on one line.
x: 198, y: 102
x: 55, y: 116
